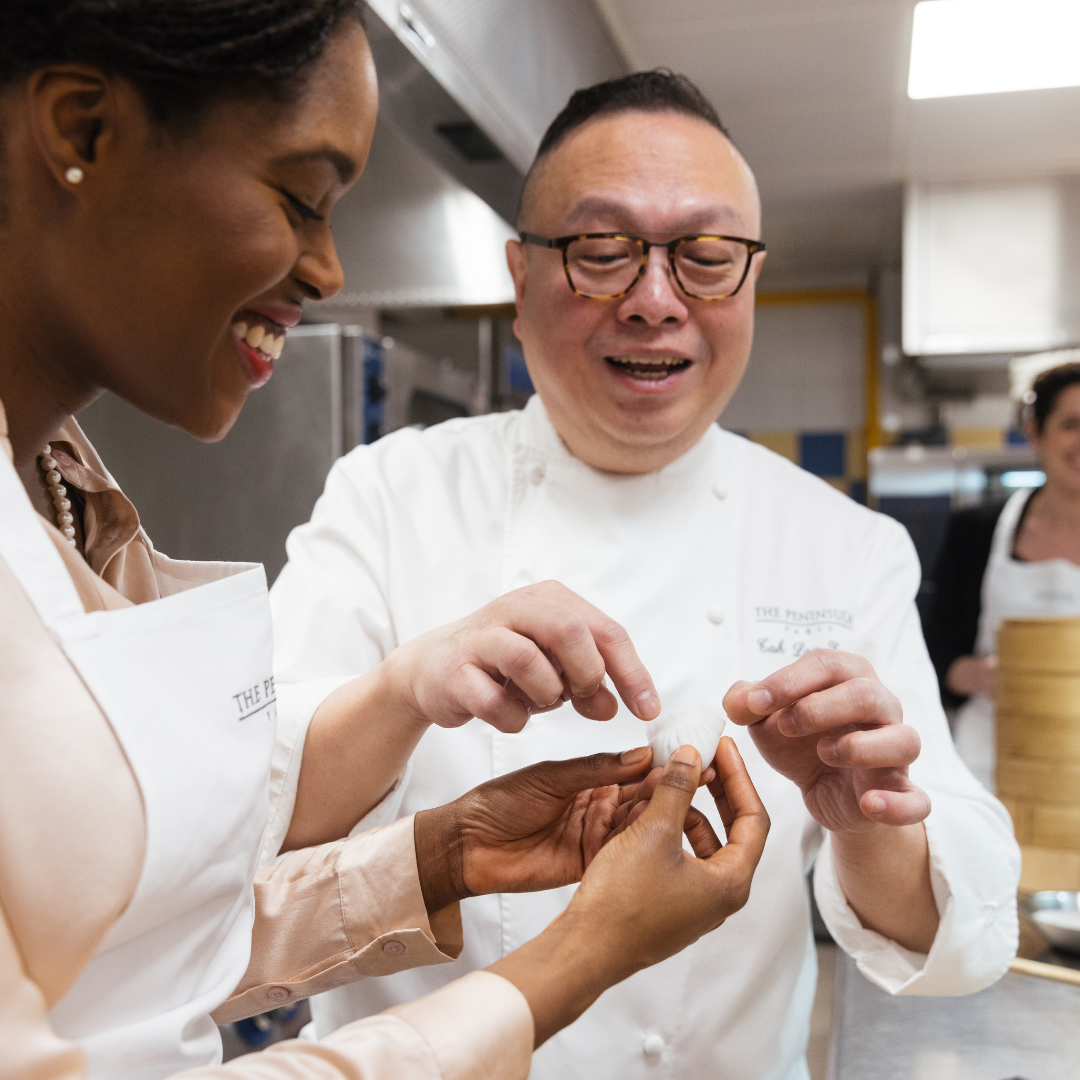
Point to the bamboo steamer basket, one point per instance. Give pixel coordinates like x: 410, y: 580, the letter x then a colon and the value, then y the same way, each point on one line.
x: 1038, y: 730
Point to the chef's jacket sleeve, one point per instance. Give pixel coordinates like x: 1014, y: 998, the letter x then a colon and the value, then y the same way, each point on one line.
x: 331, y: 615
x: 974, y: 858
x: 320, y: 643
x: 477, y: 1028
x: 329, y: 915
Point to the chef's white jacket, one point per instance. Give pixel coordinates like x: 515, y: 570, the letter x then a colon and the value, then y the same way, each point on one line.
x: 728, y: 564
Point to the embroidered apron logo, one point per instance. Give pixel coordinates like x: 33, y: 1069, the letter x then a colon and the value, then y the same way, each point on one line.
x: 793, y: 632
x: 255, y: 699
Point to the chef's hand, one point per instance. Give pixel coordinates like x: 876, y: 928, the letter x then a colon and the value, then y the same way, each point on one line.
x: 827, y: 723
x: 529, y: 830
x: 644, y: 898
x: 526, y: 652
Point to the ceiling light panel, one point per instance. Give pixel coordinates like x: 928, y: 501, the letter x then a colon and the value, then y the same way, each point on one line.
x: 962, y: 47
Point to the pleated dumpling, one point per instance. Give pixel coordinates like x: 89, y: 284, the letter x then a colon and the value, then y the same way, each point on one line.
x: 700, y: 730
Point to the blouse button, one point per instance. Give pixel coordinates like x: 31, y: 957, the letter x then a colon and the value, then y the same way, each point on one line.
x: 653, y: 1044
x: 278, y: 993
x: 537, y: 473
x: 394, y: 948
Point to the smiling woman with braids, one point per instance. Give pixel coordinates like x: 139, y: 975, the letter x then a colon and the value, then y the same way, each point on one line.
x: 167, y: 168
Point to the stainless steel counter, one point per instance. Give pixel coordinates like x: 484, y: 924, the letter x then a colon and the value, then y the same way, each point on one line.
x: 1022, y: 1027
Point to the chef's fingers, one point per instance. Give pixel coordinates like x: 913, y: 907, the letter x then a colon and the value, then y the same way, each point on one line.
x: 893, y: 746
x: 749, y: 827
x: 817, y: 670
x: 599, y: 706
x: 897, y: 802
x: 585, y: 641
x: 735, y: 707
x: 703, y: 839
x: 477, y: 694
x: 519, y: 660
x: 857, y: 701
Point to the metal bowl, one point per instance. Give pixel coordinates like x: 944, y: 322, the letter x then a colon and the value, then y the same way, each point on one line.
x: 1060, y: 937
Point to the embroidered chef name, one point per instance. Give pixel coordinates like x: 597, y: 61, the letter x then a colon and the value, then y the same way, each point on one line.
x: 255, y: 699
x: 792, y: 632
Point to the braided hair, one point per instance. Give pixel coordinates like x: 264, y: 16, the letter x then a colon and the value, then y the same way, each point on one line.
x: 180, y: 54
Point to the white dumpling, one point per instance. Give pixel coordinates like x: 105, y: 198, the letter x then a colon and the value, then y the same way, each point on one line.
x: 700, y: 730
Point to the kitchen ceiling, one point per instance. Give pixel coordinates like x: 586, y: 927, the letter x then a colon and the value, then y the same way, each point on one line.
x: 814, y: 93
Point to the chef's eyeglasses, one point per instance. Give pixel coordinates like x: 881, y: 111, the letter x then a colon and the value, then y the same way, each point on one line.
x: 606, y: 266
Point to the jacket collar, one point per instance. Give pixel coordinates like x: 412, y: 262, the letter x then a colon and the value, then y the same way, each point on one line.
x: 537, y: 434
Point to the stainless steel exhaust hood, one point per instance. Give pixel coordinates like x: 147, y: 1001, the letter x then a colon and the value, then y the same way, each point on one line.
x: 992, y: 267
x: 465, y: 92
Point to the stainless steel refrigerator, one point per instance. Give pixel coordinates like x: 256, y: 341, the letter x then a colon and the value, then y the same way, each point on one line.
x: 238, y: 499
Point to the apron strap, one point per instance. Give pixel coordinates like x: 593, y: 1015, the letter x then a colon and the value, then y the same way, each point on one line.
x: 1005, y: 530
x: 33, y: 559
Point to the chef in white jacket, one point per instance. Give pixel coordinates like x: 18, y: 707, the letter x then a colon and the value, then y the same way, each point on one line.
x: 742, y: 580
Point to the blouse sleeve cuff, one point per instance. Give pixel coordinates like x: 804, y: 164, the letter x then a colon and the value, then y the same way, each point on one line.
x: 363, y: 914
x: 297, y: 703
x: 479, y: 1028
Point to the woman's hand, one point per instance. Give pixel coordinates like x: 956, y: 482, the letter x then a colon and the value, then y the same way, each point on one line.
x: 643, y: 898
x: 972, y: 675
x: 533, y: 829
x: 526, y: 652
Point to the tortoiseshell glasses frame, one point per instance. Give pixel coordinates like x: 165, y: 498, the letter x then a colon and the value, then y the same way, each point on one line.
x: 563, y: 244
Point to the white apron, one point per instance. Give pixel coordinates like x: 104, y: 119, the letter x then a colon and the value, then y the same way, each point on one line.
x: 1010, y: 590
x: 186, y: 685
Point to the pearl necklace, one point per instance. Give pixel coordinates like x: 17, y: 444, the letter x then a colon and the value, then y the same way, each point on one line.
x: 64, y: 519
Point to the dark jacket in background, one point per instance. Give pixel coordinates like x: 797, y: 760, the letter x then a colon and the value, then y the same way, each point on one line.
x: 953, y: 622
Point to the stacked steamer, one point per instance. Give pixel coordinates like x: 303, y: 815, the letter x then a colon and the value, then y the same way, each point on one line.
x: 1038, y: 745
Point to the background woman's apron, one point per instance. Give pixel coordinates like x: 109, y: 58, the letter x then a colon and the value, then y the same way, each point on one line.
x: 1010, y: 590
x: 186, y: 685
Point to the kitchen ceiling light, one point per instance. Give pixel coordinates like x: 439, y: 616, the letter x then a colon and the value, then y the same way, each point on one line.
x: 961, y: 47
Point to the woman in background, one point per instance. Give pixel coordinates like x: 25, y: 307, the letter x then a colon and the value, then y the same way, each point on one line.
x: 166, y: 172
x: 1020, y: 560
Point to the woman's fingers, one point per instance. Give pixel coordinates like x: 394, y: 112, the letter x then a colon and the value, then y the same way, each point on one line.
x: 749, y: 821
x: 597, y: 825
x: 703, y: 839
x: 561, y: 779
x: 674, y: 790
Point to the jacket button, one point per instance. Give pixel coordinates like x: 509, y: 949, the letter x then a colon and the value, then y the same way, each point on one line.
x: 716, y: 617
x: 278, y: 993
x: 394, y: 948
x: 653, y: 1044
x: 719, y: 491
x: 537, y: 473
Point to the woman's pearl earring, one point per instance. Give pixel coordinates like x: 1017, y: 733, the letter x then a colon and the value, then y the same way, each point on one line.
x: 74, y: 175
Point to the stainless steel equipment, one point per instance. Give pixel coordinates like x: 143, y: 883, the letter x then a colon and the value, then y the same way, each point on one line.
x: 238, y: 499
x: 1035, y: 907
